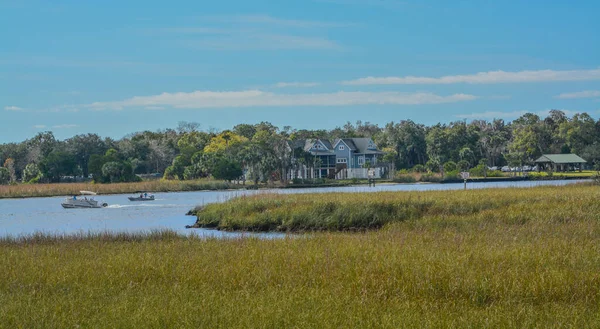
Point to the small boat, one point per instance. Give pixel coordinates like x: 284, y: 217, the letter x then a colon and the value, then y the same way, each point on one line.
x: 141, y: 198
x: 83, y: 201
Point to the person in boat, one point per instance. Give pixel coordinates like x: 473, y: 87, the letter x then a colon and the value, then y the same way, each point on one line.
x: 74, y: 197
x: 145, y: 195
x: 141, y: 196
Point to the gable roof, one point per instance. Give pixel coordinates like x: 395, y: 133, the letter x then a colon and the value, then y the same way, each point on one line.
x: 362, y: 146
x: 347, y: 141
x: 560, y: 158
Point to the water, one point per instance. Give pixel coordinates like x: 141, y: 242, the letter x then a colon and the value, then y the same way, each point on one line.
x: 27, y: 216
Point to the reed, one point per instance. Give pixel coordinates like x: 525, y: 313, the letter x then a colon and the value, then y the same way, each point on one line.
x: 46, y: 190
x: 363, y: 211
x: 494, y: 259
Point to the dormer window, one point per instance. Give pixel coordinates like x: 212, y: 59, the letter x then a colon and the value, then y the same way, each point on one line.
x: 341, y: 147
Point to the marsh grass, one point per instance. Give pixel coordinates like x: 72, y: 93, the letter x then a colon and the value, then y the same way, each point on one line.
x: 505, y: 258
x: 46, y: 190
x: 363, y: 211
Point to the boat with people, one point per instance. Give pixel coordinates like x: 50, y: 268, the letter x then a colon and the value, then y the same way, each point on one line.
x: 142, y: 197
x: 83, y: 201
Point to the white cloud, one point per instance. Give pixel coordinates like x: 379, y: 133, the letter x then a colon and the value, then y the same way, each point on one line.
x: 13, y: 108
x: 257, y: 98
x: 297, y: 84
x: 509, y: 115
x: 580, y: 94
x: 490, y: 77
x: 39, y: 126
x: 65, y: 126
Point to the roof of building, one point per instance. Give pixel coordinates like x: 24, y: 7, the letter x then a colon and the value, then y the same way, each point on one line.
x: 349, y: 142
x: 560, y: 158
x: 357, y: 145
x: 362, y: 146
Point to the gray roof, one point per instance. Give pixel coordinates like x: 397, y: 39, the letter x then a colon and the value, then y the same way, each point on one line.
x: 356, y: 145
x: 347, y: 141
x: 362, y: 146
x: 560, y: 158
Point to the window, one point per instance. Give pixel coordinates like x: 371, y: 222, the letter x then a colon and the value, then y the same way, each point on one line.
x: 342, y: 160
x: 361, y: 161
x: 317, y: 146
x: 341, y: 147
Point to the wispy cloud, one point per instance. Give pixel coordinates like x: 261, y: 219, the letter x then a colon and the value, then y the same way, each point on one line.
x: 13, y: 108
x: 39, y: 126
x: 580, y: 94
x: 65, y: 126
x: 257, y: 98
x: 508, y: 115
x: 491, y: 77
x: 252, y: 32
x: 297, y: 84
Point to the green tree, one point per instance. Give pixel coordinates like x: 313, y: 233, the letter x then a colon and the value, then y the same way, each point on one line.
x: 450, y: 166
x: 58, y: 164
x: 227, y: 170
x: 113, y: 170
x: 4, y: 176
x: 31, y: 173
x: 10, y: 165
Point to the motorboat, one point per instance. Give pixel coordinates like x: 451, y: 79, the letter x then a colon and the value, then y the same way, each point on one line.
x: 83, y: 201
x: 142, y: 197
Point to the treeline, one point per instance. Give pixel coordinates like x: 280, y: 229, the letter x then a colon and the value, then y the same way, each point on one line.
x: 189, y: 153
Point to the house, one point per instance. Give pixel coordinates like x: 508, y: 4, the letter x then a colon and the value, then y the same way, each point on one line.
x: 341, y: 158
x: 560, y: 162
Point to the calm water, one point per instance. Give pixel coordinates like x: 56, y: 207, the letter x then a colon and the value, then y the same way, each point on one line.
x: 26, y: 216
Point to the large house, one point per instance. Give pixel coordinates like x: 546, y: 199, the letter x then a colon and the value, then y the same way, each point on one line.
x: 341, y: 158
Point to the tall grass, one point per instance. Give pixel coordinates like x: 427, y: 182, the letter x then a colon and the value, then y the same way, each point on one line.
x: 493, y: 259
x: 360, y: 211
x: 45, y: 190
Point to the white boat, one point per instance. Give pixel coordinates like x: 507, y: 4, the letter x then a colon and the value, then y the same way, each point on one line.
x: 83, y: 201
x: 141, y: 198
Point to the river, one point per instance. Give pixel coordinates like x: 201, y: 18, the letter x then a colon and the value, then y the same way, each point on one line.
x: 31, y: 215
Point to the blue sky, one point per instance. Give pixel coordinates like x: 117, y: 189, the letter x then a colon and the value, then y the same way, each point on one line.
x: 115, y: 67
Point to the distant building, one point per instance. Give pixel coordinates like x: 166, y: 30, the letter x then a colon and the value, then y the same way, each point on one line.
x: 560, y: 162
x: 341, y: 158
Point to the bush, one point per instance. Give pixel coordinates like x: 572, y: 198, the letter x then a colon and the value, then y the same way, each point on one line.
x: 407, y: 178
x: 452, y: 175
x: 432, y: 166
x: 431, y: 178
x: 495, y: 173
x: 478, y: 171
x: 463, y: 165
x: 450, y: 166
x: 419, y: 168
x: 309, y: 181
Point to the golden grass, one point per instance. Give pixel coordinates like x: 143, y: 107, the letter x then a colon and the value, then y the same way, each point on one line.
x: 505, y: 258
x: 45, y: 190
x: 360, y: 211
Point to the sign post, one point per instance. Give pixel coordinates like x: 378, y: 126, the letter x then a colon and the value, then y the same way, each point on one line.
x: 465, y: 175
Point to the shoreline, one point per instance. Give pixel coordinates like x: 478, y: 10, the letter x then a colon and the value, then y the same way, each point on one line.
x: 66, y: 189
